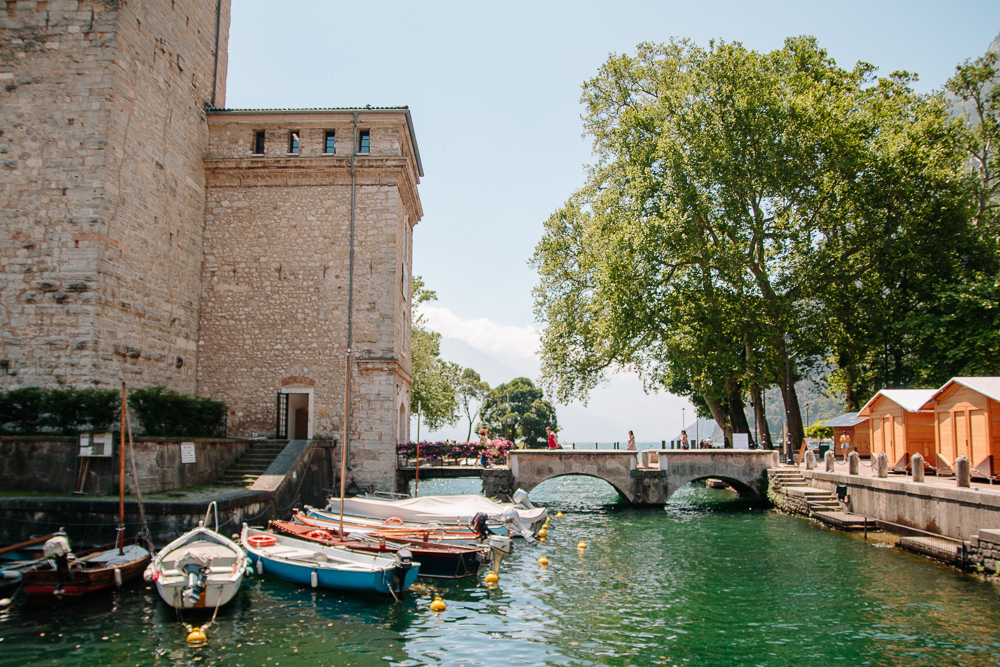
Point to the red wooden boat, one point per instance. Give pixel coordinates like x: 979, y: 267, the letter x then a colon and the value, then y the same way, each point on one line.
x: 436, y: 560
x: 60, y: 573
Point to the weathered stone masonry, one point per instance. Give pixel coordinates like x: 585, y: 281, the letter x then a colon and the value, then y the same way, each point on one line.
x: 101, y: 128
x: 143, y: 238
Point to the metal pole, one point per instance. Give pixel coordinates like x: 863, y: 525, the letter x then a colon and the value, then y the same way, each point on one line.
x: 121, y: 480
x: 346, y: 438
x: 416, y: 476
x: 788, y: 395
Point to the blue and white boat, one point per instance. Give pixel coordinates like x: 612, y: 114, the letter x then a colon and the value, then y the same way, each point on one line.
x: 322, y: 566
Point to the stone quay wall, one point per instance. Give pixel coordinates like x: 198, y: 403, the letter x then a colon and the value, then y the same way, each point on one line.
x: 51, y: 465
x: 102, y: 188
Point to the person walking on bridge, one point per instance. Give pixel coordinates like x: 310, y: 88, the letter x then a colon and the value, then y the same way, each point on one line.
x: 631, y: 442
x: 553, y: 443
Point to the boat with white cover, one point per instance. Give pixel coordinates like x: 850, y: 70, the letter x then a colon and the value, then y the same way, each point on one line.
x: 457, y: 509
x: 200, y: 569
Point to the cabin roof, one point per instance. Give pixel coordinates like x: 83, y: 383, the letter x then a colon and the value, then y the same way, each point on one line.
x: 911, y: 400
x: 845, y: 420
x: 987, y: 386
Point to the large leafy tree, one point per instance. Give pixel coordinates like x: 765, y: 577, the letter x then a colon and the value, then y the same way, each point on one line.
x: 433, y: 390
x: 736, y: 195
x: 518, y: 409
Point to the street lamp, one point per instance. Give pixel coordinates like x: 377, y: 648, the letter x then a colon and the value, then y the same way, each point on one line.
x: 682, y: 426
x: 789, y: 457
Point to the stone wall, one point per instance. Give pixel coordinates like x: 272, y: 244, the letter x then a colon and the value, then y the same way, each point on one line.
x: 51, y: 465
x: 276, y: 280
x: 103, y: 187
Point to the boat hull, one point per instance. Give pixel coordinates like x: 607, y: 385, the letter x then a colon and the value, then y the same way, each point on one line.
x: 45, y: 581
x: 223, y: 563
x: 303, y: 562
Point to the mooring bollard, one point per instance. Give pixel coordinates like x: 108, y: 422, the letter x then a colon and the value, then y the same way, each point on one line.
x: 830, y: 459
x: 882, y: 465
x: 810, y: 460
x: 853, y: 463
x: 917, y: 467
x: 963, y: 472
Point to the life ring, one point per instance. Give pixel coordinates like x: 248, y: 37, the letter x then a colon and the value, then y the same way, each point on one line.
x: 393, y: 521
x: 319, y: 535
x: 262, y: 540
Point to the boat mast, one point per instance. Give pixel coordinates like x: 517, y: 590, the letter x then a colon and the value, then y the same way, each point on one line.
x: 121, y: 481
x: 343, y: 448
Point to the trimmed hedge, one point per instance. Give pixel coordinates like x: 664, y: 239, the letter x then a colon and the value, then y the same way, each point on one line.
x: 165, y: 412
x: 160, y: 412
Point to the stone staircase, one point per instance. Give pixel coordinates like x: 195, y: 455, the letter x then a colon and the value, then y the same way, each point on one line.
x: 255, y: 460
x: 792, y: 483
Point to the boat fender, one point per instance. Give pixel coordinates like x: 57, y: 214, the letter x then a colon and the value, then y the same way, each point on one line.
x: 249, y: 572
x: 314, y: 579
x: 147, y: 574
x: 118, y: 577
x: 260, y: 566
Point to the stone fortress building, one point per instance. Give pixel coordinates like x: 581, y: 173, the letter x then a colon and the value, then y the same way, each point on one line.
x: 149, y: 233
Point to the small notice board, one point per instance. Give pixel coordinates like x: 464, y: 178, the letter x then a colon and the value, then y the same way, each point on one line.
x: 187, y: 452
x: 741, y: 441
x: 96, y: 445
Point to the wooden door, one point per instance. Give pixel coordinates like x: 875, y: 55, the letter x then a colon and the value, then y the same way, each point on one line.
x: 977, y: 436
x: 302, y: 423
x: 961, y: 430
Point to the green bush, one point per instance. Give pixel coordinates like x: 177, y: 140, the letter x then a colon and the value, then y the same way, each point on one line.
x: 165, y: 412
x: 73, y: 410
x: 22, y: 409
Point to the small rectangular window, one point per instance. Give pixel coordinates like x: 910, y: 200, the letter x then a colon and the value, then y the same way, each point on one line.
x: 364, y: 142
x: 293, y: 142
x: 329, y: 142
x: 258, y: 142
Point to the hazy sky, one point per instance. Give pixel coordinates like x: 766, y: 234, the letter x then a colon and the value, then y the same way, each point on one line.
x: 494, y: 93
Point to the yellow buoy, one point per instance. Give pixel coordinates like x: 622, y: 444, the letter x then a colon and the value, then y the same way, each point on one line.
x: 543, y: 561
x: 558, y: 513
x: 581, y: 545
x: 491, y: 577
x: 197, y: 636
x: 542, y: 532
x: 438, y: 604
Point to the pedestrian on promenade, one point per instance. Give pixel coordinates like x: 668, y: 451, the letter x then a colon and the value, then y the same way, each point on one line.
x: 684, y: 439
x: 631, y: 442
x: 553, y: 443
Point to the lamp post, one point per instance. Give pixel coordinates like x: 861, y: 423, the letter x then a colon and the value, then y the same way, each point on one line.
x: 682, y: 425
x: 789, y: 458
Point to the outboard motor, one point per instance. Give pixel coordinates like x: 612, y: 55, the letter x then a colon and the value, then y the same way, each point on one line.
x: 404, y: 561
x: 57, y: 548
x: 521, y: 498
x: 478, y: 524
x: 195, y: 566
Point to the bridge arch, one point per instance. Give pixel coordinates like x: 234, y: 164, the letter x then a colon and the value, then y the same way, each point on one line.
x: 649, y: 481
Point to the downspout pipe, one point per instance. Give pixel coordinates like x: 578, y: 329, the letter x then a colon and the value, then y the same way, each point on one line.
x: 350, y: 298
x: 215, y: 71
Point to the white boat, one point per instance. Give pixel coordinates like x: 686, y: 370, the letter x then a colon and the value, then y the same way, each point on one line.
x: 457, y: 509
x: 200, y: 569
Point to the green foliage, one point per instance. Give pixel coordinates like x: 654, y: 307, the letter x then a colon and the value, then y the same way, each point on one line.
x: 518, y: 409
x: 470, y: 391
x: 434, y: 380
x: 23, y: 409
x: 751, y: 212
x: 71, y: 410
x: 165, y: 412
x: 31, y: 410
x: 817, y: 430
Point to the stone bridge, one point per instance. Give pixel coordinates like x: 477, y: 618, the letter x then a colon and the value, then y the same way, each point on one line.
x: 647, y: 480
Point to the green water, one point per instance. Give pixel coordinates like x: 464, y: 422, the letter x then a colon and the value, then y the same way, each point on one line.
x: 706, y: 581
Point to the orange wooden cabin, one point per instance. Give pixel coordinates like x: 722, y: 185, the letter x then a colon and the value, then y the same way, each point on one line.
x: 856, y: 430
x: 901, y: 424
x: 967, y: 422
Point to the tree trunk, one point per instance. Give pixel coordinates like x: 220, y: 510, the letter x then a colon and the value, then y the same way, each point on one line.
x: 793, y: 417
x: 737, y: 408
x: 718, y: 414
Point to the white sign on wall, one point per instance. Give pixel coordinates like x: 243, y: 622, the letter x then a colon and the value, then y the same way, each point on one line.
x: 741, y: 441
x: 187, y: 452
